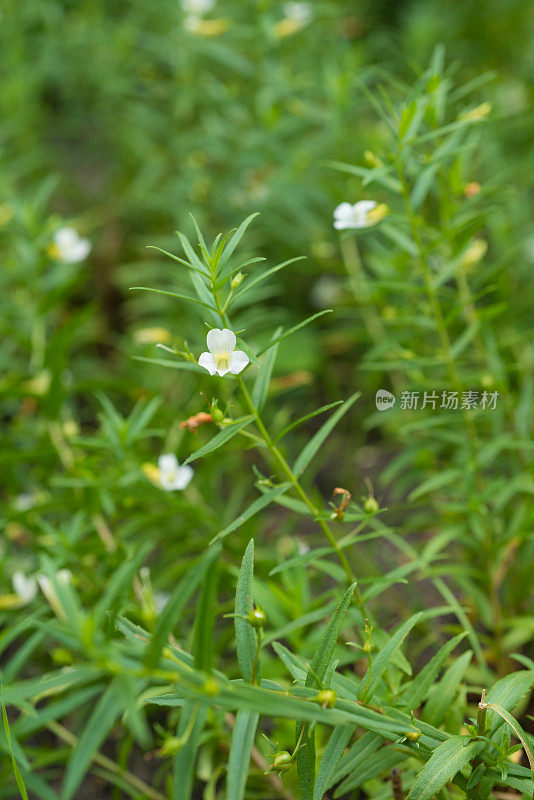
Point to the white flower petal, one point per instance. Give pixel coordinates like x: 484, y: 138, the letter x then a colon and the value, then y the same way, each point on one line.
x: 183, y: 476
x: 364, y: 206
x: 167, y: 462
x: 65, y: 238
x: 341, y: 224
x: 80, y: 250
x: 343, y: 211
x: 238, y: 361
x: 25, y: 587
x: 207, y: 361
x: 178, y: 479
x: 221, y: 342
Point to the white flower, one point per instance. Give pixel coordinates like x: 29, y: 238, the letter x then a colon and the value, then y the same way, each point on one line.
x: 25, y: 587
x: 353, y: 216
x: 222, y: 356
x: 69, y: 246
x: 172, y: 476
x: 197, y: 6
x: 299, y: 11
x: 63, y: 577
x: 161, y: 600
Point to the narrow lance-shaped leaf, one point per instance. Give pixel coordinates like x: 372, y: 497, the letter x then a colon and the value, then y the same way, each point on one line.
x: 293, y: 330
x: 260, y: 503
x: 508, y: 692
x: 384, y: 658
x: 318, y: 439
x: 444, y: 763
x: 96, y: 730
x: 243, y: 735
x: 192, y: 719
x: 246, y: 638
x: 179, y: 598
x: 339, y: 739
x: 205, y: 616
x: 416, y: 692
x: 220, y: 438
x: 236, y: 238
x: 177, y: 295
x: 261, y: 386
x: 16, y: 771
x: 316, y: 674
x: 444, y: 692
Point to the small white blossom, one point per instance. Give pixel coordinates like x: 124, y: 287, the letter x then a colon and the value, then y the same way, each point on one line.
x: 172, y: 476
x: 299, y: 11
x: 25, y: 587
x: 161, y: 600
x: 197, y: 6
x: 63, y: 577
x: 353, y: 216
x: 222, y: 356
x: 69, y: 246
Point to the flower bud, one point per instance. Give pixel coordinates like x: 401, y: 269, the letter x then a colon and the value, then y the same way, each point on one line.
x: 474, y: 253
x: 370, y: 506
x: 236, y: 280
x: 257, y: 618
x: 282, y: 761
x: 326, y: 697
x: 413, y: 735
x: 216, y: 414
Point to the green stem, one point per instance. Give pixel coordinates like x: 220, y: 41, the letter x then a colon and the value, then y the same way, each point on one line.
x: 288, y: 472
x: 292, y: 478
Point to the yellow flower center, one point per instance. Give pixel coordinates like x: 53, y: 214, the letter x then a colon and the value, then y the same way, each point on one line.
x: 222, y: 360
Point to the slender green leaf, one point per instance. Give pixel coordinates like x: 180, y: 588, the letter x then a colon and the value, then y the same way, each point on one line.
x: 339, y: 739
x: 293, y: 330
x: 16, y: 770
x: 262, y: 277
x: 261, y: 386
x: 444, y: 692
x: 178, y: 600
x: 358, y: 755
x: 220, y: 438
x: 417, y: 690
x: 299, y: 421
x: 236, y: 238
x: 205, y: 617
x: 445, y: 762
x: 180, y: 260
x: 94, y: 733
x: 192, y: 720
x: 385, y: 657
x: 373, y: 767
x: 317, y: 440
x: 508, y: 692
x: 173, y: 294
x: 260, y: 503
x: 246, y: 638
x: 319, y: 665
x: 243, y: 735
